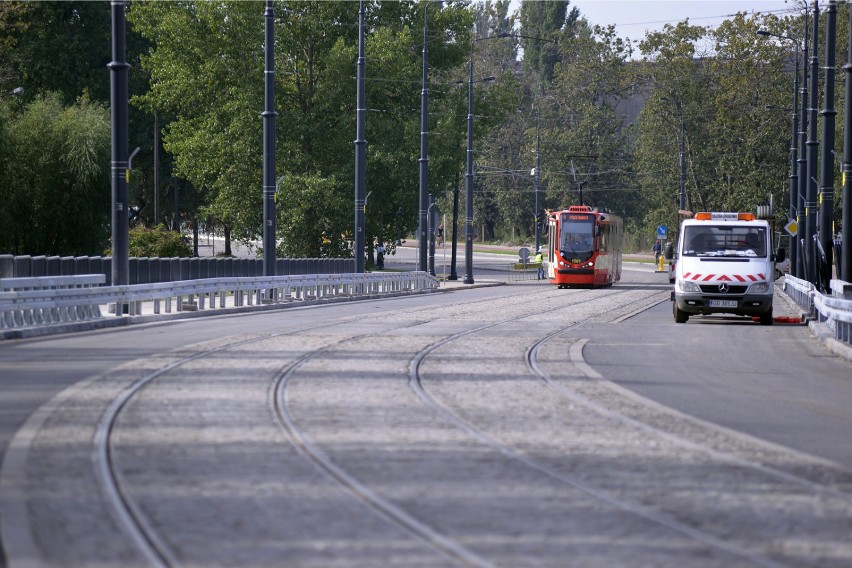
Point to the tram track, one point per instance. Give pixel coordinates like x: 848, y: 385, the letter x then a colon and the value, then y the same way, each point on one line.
x: 144, y: 535
x: 416, y: 383
x: 140, y: 530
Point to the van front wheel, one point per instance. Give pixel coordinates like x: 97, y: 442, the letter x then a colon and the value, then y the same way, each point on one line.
x: 766, y: 319
x: 680, y: 316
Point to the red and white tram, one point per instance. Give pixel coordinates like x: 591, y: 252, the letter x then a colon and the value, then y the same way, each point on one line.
x: 584, y: 247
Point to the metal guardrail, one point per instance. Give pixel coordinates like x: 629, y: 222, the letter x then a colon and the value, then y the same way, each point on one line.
x: 801, y: 291
x: 54, y: 302
x: 834, y: 311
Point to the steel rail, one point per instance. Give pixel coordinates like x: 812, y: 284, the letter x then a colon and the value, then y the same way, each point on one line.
x: 416, y: 383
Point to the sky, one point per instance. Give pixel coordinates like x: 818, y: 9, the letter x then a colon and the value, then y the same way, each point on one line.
x: 634, y: 17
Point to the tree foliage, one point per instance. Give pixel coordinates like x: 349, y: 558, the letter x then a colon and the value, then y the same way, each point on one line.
x: 157, y: 242
x: 577, y: 88
x: 54, y: 163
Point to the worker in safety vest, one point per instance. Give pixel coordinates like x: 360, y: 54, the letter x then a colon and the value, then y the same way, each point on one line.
x: 539, y: 259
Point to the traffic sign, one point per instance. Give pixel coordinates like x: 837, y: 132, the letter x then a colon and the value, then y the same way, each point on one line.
x: 792, y: 228
x: 662, y: 231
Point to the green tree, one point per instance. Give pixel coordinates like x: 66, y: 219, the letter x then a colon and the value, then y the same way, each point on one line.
x: 543, y: 20
x: 55, y: 169
x: 215, y: 136
x: 156, y: 242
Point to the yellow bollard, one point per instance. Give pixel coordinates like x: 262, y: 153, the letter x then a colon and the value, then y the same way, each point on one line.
x: 660, y: 264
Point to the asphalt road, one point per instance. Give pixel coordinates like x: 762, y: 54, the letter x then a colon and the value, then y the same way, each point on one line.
x: 512, y: 425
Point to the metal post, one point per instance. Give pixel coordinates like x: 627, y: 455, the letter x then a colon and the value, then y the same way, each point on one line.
x: 431, y: 219
x: 794, y: 174
x: 360, y: 149
x: 810, y: 194
x: 156, y: 171
x: 846, y: 253
x: 424, y: 143
x: 826, y: 200
x: 682, y: 201
x: 468, y: 179
x: 269, y: 115
x: 453, y: 274
x: 536, y: 226
x: 118, y: 67
x: 803, y: 161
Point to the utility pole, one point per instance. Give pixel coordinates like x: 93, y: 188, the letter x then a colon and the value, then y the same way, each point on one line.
x: 424, y: 146
x: 269, y: 115
x: 360, y: 149
x: 846, y: 258
x: 826, y: 196
x: 118, y: 67
x: 799, y: 265
x: 453, y: 274
x: 537, y: 182
x: 810, y: 195
x: 682, y: 202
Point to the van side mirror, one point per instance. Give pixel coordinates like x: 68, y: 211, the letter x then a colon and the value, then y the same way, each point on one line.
x: 669, y: 253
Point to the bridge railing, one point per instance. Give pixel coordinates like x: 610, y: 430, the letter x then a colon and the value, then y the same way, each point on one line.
x: 145, y: 270
x: 28, y: 302
x: 834, y: 310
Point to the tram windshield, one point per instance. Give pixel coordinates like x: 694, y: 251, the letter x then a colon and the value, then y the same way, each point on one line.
x: 577, y: 236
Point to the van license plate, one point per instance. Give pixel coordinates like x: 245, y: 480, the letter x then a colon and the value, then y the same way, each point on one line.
x: 722, y: 303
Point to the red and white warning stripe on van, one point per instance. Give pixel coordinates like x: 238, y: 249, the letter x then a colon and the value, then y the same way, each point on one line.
x: 724, y: 277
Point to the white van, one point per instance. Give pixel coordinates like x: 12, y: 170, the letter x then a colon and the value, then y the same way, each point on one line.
x: 724, y: 264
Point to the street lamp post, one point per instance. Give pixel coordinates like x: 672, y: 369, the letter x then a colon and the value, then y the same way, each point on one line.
x: 826, y: 194
x: 453, y: 274
x: 120, y: 267
x: 536, y: 225
x: 812, y: 143
x: 360, y: 149
x: 846, y: 219
x: 269, y: 115
x: 803, y: 162
x: 682, y: 202
x: 424, y: 144
x: 794, y: 174
x: 469, y: 232
x: 468, y: 183
x: 431, y: 219
x: 14, y: 92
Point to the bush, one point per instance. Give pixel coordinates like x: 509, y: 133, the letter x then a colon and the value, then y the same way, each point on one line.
x: 157, y: 242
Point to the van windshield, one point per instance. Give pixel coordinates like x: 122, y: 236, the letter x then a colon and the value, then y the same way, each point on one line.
x: 721, y: 240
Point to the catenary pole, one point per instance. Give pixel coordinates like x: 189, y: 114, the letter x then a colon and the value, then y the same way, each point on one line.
x: 794, y: 158
x: 826, y: 199
x: 846, y: 219
x: 118, y: 67
x: 800, y: 271
x: 468, y: 182
x: 360, y: 149
x: 812, y: 144
x: 424, y: 146
x: 269, y: 115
